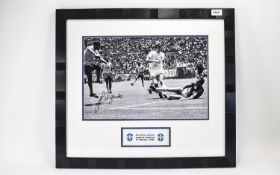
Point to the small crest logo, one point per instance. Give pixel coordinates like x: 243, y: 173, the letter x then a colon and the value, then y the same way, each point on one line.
x: 160, y: 137
x: 129, y: 136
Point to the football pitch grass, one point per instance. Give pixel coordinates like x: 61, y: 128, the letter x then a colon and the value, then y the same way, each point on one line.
x: 134, y: 102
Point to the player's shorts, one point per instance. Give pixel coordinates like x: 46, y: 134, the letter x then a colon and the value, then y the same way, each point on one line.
x: 183, y: 93
x: 140, y: 76
x: 198, y: 92
x: 107, y: 75
x: 156, y: 74
x: 88, y: 71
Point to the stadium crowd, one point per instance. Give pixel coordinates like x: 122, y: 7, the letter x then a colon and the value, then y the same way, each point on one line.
x: 125, y: 52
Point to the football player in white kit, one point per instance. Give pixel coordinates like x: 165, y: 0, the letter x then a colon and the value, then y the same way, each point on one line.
x: 155, y: 59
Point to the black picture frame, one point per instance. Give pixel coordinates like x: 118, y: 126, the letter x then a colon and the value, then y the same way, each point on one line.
x: 62, y: 161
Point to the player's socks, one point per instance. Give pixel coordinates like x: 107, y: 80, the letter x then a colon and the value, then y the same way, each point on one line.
x: 152, y: 88
x: 160, y: 95
x: 164, y: 94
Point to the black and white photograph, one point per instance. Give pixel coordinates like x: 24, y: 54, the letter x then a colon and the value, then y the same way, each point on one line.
x: 145, y: 77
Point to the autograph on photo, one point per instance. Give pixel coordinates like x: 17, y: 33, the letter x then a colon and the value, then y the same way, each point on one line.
x: 106, y: 98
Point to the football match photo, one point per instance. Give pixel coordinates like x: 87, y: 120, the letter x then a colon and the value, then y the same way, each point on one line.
x: 145, y: 77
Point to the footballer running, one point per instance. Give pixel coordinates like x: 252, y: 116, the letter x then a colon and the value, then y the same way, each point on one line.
x: 107, y: 74
x: 155, y: 59
x: 140, y: 73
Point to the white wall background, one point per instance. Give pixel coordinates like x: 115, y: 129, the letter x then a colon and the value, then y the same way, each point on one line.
x: 27, y: 65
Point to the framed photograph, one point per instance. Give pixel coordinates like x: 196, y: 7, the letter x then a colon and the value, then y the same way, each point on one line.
x: 145, y: 88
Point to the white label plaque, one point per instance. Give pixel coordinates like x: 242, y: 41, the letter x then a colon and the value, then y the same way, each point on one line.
x: 146, y: 137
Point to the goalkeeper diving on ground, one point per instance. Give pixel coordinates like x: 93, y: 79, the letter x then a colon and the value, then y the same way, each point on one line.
x: 189, y: 91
